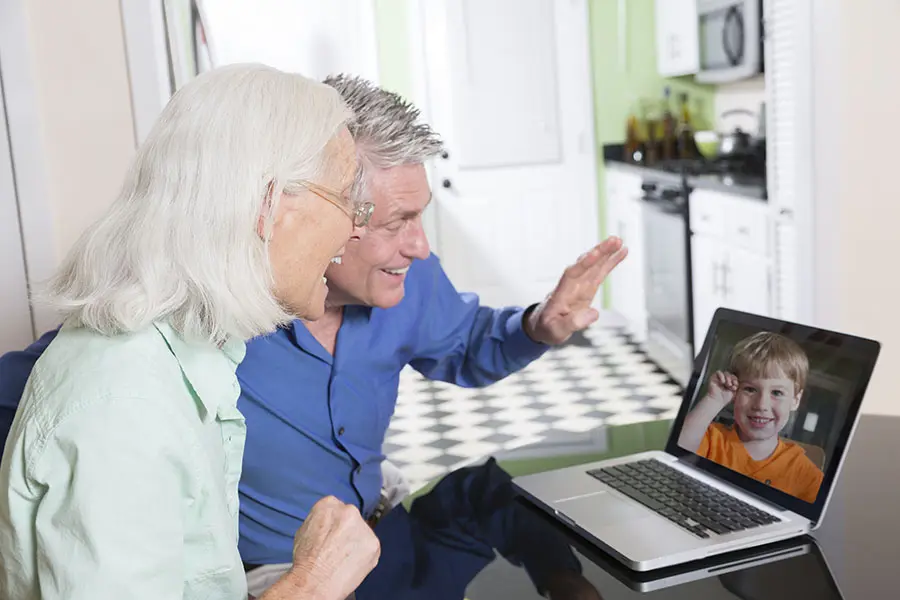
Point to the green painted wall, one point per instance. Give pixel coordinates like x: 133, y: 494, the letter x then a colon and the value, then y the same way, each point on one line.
x: 392, y: 25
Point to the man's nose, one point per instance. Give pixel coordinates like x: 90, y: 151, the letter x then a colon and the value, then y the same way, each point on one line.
x: 416, y: 243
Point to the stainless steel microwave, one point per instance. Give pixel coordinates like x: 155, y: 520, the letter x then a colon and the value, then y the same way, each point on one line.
x: 731, y: 40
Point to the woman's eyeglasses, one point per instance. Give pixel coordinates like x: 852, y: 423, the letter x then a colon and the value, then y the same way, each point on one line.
x: 361, y: 212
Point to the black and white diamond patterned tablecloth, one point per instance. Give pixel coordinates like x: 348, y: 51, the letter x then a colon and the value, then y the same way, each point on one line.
x: 601, y: 377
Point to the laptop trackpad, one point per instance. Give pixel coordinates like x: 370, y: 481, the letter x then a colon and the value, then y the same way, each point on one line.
x: 597, y: 509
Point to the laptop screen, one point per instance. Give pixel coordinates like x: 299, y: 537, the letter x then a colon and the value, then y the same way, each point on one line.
x: 775, y: 402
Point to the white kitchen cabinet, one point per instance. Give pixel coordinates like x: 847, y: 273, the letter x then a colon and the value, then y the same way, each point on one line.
x: 677, y: 38
x: 747, y: 282
x: 706, y: 274
x: 730, y: 257
x: 728, y: 277
x: 624, y: 219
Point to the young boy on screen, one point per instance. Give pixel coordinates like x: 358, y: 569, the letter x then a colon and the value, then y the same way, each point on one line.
x: 765, y: 380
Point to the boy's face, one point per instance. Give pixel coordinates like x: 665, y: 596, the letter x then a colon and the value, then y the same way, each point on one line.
x: 763, y: 406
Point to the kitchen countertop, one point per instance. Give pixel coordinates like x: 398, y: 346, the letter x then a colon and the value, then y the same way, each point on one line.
x: 738, y: 185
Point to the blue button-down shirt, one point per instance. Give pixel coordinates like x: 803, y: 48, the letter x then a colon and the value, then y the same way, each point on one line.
x: 316, y: 422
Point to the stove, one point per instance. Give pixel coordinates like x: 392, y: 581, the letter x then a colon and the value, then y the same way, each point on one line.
x: 745, y: 167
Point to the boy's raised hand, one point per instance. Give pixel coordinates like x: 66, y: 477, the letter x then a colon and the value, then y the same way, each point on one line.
x: 722, y: 387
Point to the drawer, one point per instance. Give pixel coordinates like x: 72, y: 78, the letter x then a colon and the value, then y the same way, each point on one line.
x: 708, y: 212
x: 622, y: 180
x: 747, y: 225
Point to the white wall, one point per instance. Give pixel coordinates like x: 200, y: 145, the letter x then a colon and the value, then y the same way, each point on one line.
x: 70, y: 120
x: 311, y: 37
x: 857, y: 203
x: 747, y: 94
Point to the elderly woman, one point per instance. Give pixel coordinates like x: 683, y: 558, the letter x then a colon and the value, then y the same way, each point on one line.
x: 119, y: 478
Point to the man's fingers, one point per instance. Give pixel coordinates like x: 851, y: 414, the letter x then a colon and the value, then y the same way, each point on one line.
x: 595, y: 256
x: 604, y: 268
x: 582, y: 265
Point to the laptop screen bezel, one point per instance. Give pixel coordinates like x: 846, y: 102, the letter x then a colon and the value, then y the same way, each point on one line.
x: 868, y: 353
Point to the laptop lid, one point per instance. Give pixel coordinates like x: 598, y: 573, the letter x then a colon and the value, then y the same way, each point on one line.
x: 780, y: 411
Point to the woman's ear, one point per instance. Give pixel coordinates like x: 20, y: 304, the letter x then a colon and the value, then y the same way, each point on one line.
x: 266, y: 218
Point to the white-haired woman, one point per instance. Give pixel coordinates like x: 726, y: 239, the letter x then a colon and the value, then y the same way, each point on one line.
x: 119, y: 478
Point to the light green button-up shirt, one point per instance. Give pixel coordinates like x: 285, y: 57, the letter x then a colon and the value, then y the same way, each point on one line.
x: 120, y: 475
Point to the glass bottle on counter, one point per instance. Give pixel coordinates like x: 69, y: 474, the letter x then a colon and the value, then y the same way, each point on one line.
x: 668, y: 135
x: 652, y: 121
x: 687, y: 148
x: 632, y: 149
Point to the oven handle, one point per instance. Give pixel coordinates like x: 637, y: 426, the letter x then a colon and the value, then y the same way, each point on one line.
x: 664, y: 206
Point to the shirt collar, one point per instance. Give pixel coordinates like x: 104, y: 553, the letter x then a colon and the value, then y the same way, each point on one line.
x: 208, y: 369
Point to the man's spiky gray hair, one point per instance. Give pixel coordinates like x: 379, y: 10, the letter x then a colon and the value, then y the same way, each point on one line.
x: 386, y: 128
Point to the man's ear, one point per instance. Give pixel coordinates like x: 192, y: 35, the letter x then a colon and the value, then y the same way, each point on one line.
x: 797, y: 398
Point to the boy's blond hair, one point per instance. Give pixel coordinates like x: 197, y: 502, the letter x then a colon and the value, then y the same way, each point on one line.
x: 757, y: 355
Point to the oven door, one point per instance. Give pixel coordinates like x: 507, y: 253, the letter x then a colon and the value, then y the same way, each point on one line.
x: 730, y: 40
x: 668, y: 287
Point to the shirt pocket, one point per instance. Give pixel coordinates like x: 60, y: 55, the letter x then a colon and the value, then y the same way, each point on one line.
x: 222, y: 583
x: 209, y: 552
x: 210, y: 546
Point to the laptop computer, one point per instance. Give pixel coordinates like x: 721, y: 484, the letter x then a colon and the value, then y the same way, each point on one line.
x: 750, y: 460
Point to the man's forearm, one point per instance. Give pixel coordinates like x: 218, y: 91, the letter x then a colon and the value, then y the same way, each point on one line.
x: 697, y: 422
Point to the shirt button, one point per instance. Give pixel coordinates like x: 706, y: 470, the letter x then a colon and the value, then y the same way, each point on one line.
x: 341, y: 431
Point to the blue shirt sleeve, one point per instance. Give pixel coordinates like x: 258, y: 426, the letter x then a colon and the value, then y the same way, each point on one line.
x: 15, y: 368
x: 461, y: 342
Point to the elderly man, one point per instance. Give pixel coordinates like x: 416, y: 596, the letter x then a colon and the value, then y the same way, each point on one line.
x: 318, y: 395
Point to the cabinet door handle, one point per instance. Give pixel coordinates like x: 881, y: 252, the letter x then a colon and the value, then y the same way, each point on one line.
x: 725, y: 291
x: 716, y: 287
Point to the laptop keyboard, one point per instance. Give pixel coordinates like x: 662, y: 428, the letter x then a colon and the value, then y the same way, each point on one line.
x: 687, y: 502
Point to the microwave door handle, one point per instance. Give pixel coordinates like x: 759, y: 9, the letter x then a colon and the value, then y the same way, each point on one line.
x: 735, y: 55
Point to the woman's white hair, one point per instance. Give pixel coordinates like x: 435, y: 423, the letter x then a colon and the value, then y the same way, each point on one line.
x: 180, y: 243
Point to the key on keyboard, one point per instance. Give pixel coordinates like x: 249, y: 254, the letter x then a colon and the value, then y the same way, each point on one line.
x: 685, y: 501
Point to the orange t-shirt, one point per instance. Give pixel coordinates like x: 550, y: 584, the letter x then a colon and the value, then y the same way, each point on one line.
x: 787, y: 469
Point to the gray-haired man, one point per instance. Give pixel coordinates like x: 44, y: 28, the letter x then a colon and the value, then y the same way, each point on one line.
x: 323, y: 393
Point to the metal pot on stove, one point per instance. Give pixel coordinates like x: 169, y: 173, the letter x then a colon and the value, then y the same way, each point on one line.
x: 737, y: 143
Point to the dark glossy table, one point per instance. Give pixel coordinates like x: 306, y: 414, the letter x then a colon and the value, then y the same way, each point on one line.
x: 854, y: 555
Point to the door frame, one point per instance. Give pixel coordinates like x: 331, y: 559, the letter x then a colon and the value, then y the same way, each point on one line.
x: 29, y: 160
x: 419, y: 97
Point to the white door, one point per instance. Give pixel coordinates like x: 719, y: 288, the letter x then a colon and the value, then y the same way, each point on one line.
x: 508, y: 87
x: 707, y: 271
x: 747, y: 282
x: 16, y: 329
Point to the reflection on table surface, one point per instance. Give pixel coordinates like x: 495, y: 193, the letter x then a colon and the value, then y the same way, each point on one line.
x: 790, y: 570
